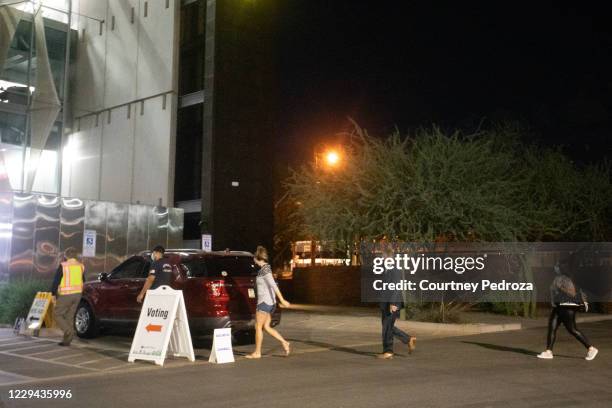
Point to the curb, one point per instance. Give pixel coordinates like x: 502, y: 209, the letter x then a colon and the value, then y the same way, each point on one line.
x: 480, y: 328
x: 459, y: 329
x: 579, y: 319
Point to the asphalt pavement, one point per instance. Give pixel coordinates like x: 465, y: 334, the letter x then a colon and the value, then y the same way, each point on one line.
x: 333, y: 365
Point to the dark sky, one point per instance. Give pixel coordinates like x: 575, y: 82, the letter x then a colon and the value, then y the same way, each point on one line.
x: 415, y: 63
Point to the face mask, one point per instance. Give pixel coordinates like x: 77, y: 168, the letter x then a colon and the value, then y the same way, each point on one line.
x: 152, y: 257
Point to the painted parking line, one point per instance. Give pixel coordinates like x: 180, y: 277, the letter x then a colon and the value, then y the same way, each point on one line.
x: 42, y: 360
x: 95, y: 361
x: 14, y: 379
x: 107, y: 353
x: 9, y: 378
x: 54, y: 350
x: 82, y: 351
x: 72, y: 348
x: 66, y: 356
x: 26, y: 348
x: 8, y: 338
x: 22, y: 342
x: 131, y: 368
x: 119, y: 366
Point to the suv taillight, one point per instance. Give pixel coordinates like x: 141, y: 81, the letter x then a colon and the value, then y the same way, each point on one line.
x: 216, y: 289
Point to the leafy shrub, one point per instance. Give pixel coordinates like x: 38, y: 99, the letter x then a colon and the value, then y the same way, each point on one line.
x: 16, y: 298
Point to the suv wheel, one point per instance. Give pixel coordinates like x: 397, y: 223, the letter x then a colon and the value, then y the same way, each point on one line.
x: 85, y: 323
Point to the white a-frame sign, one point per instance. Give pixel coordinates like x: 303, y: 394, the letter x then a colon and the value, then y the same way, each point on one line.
x: 222, y: 351
x: 162, y: 328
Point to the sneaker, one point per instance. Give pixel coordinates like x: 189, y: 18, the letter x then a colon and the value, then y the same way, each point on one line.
x: 547, y: 355
x: 591, y: 353
x: 385, y: 356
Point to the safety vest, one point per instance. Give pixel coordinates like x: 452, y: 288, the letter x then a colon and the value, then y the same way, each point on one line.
x: 72, y: 277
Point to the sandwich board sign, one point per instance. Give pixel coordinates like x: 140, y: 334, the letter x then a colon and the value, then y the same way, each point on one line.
x: 222, y: 347
x: 162, y: 328
x: 40, y: 311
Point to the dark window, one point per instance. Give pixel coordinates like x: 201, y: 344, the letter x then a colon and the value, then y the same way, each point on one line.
x: 191, y: 59
x: 133, y: 268
x: 220, y: 267
x: 188, y: 164
x: 191, y: 227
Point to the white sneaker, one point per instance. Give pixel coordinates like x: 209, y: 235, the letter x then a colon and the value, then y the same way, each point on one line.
x: 591, y: 353
x: 548, y: 355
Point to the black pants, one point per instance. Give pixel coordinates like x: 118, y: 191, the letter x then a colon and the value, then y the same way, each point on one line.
x: 389, y: 330
x: 567, y: 316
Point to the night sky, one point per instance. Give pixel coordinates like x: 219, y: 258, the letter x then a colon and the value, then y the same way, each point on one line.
x: 408, y: 64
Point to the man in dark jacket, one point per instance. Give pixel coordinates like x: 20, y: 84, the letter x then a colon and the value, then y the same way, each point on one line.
x: 390, y: 311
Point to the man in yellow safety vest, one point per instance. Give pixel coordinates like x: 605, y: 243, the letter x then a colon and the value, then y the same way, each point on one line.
x: 67, y: 288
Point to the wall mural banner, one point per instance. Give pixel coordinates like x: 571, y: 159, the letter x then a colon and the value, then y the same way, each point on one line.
x: 35, y: 229
x: 9, y: 20
x: 45, y: 102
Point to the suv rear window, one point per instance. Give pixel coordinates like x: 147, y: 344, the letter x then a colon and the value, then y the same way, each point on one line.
x: 215, y: 267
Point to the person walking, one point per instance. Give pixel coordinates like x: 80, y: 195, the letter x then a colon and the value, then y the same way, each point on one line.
x: 66, y: 290
x: 267, y: 292
x: 566, y: 301
x: 390, y: 311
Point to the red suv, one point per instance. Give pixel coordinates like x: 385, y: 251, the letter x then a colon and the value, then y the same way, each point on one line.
x: 218, y: 287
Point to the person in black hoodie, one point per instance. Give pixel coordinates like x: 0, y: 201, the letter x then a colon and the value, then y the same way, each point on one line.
x: 390, y: 311
x: 566, y: 300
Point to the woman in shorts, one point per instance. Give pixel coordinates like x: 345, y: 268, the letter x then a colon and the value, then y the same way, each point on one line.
x: 267, y: 292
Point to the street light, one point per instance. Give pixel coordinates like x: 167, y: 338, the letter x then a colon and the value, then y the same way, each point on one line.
x: 332, y: 158
x: 327, y: 157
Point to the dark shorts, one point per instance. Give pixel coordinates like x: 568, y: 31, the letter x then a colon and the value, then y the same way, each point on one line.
x: 264, y: 307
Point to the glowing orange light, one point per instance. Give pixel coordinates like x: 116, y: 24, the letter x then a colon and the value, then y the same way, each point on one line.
x: 332, y: 158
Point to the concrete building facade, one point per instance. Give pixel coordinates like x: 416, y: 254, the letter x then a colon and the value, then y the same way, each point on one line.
x: 159, y: 102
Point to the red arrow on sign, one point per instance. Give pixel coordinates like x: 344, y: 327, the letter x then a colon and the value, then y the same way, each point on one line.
x: 153, y: 327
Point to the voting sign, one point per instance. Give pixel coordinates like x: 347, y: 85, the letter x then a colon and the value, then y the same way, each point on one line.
x: 40, y: 311
x: 222, y: 351
x: 162, y: 328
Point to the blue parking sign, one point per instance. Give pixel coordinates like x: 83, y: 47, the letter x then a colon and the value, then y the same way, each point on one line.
x: 89, y: 243
x: 206, y: 242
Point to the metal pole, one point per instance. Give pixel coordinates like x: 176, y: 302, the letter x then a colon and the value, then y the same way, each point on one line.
x: 60, y: 151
